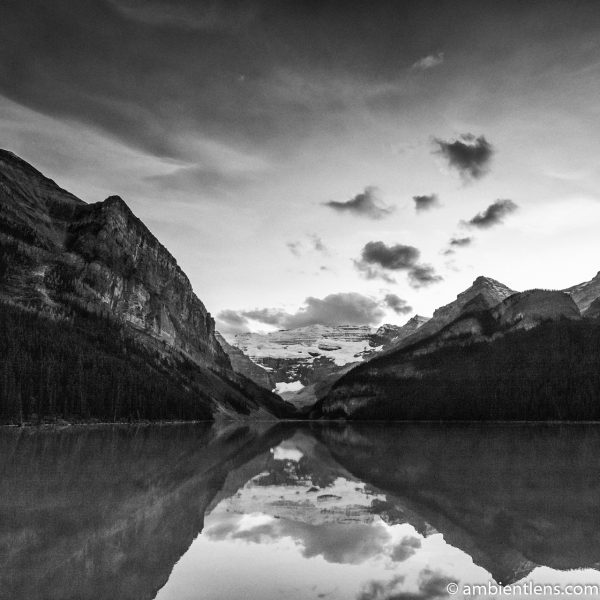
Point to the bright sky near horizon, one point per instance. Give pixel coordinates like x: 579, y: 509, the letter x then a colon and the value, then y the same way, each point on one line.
x: 311, y: 161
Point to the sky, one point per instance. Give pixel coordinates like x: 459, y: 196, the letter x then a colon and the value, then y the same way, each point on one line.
x: 320, y: 161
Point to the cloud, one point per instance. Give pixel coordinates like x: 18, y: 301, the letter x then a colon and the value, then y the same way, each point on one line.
x: 365, y: 204
x: 461, y: 242
x: 294, y: 248
x: 423, y: 276
x: 397, y: 257
x: 397, y: 304
x: 468, y: 154
x: 314, y: 244
x: 216, y: 180
x: 429, y: 62
x: 493, y: 215
x: 318, y: 244
x: 431, y: 584
x: 347, y: 543
x: 208, y: 15
x: 231, y: 321
x: 268, y: 316
x: 426, y: 202
x: 455, y: 243
x: 232, y: 317
x: 405, y: 548
x: 377, y: 260
x: 380, y: 590
x: 349, y: 308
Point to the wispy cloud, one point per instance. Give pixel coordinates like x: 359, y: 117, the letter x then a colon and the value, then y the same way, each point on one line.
x: 429, y: 62
x: 494, y: 214
x: 366, y: 204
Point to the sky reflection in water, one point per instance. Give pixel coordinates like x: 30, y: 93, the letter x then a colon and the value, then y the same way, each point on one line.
x: 268, y: 511
x: 291, y: 532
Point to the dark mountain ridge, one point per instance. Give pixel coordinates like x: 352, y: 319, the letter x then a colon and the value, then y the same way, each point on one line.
x: 68, y: 260
x: 531, y: 356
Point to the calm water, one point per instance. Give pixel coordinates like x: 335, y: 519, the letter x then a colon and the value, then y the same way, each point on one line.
x: 297, y: 512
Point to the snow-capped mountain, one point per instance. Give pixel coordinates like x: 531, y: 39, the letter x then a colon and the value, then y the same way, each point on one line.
x: 307, y: 356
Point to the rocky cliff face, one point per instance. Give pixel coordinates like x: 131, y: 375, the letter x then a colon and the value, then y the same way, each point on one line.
x: 243, y: 365
x: 389, y: 335
x: 61, y: 255
x: 528, y: 309
x: 584, y: 294
x: 484, y: 293
x: 98, y: 257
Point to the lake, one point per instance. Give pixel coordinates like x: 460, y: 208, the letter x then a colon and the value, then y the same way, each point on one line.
x: 300, y: 511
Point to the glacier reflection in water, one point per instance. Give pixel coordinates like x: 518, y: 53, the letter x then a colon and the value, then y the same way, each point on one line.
x: 370, y: 512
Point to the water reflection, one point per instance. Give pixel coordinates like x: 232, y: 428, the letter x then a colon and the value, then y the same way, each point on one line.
x: 295, y: 511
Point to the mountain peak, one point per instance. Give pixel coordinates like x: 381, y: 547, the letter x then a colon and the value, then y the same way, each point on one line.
x: 487, y: 281
x: 585, y: 293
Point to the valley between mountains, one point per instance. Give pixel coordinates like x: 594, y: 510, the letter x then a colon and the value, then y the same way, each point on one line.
x: 99, y: 323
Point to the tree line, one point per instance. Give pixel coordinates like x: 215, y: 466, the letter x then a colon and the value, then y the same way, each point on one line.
x: 86, y: 368
x: 551, y: 372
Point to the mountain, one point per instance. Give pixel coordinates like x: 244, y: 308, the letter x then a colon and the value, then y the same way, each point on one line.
x: 113, y: 508
x: 585, y: 293
x: 115, y: 289
x: 305, y: 361
x: 529, y: 356
x: 388, y: 335
x: 245, y: 366
x: 484, y: 293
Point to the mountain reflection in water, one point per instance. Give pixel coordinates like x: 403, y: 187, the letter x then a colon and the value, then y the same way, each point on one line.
x: 265, y: 511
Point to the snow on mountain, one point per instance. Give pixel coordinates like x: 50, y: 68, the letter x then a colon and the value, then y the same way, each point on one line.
x: 342, y: 344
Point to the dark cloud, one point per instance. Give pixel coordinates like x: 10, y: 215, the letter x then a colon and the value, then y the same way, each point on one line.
x: 378, y: 260
x: 469, y: 155
x: 348, y: 308
x: 405, y: 548
x: 158, y: 73
x: 380, y: 590
x: 366, y: 204
x: 455, y: 243
x: 461, y: 242
x: 431, y: 585
x: 423, y: 276
x: 493, y: 214
x: 426, y: 202
x: 397, y: 257
x: 429, y: 62
x: 268, y: 316
x: 231, y: 317
x: 397, y: 304
x: 346, y: 543
x: 231, y: 321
